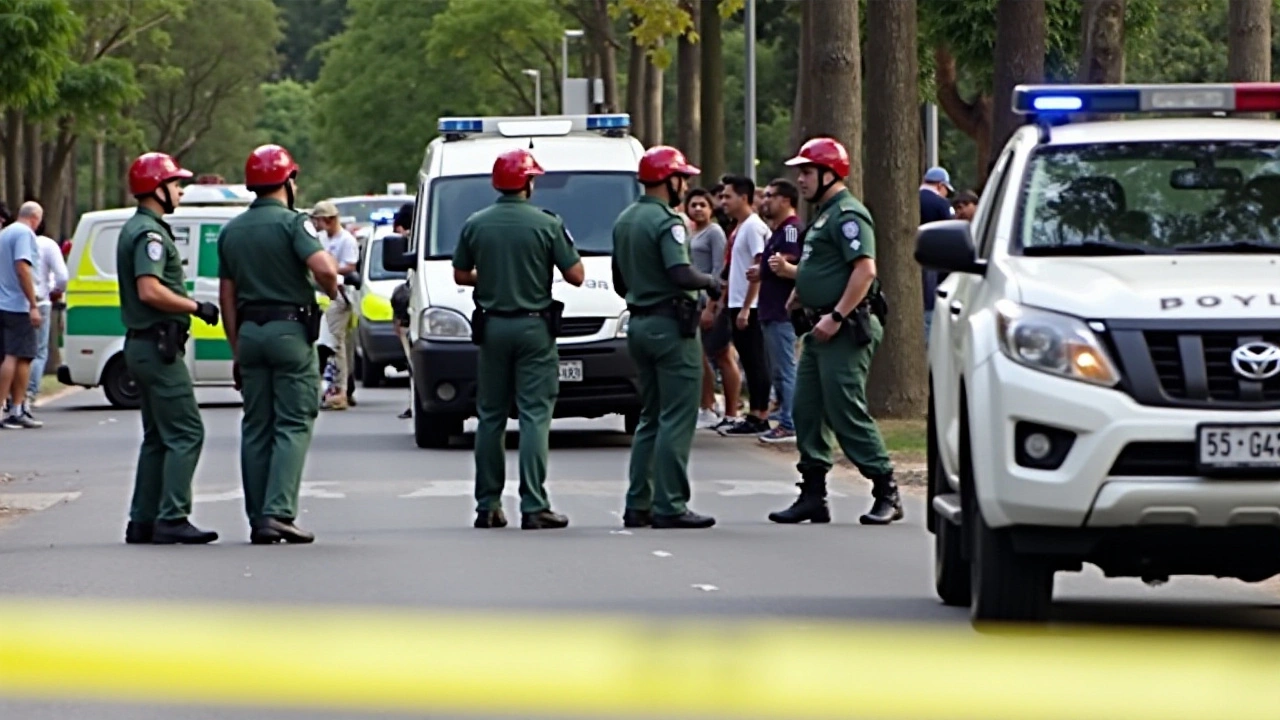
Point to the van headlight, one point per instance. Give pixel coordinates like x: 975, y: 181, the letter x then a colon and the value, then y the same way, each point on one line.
x: 1053, y: 343
x: 436, y: 323
x: 624, y: 324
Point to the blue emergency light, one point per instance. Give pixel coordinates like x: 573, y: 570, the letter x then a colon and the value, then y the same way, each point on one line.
x: 608, y: 122
x: 382, y: 216
x: 1235, y: 97
x: 460, y: 125
x: 533, y: 125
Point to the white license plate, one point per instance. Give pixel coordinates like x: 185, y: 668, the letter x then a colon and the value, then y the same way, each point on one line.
x: 571, y: 371
x: 1238, y: 446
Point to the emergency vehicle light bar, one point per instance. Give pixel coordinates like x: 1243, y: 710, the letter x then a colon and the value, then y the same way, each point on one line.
x: 533, y: 126
x: 1234, y: 97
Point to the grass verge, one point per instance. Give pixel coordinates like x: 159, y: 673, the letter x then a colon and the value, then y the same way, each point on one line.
x: 905, y: 439
x: 49, y: 384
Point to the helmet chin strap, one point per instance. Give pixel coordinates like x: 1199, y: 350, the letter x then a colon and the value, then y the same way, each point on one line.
x: 673, y: 195
x: 164, y: 197
x: 288, y: 191
x: 823, y: 187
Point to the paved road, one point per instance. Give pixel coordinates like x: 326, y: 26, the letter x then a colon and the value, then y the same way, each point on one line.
x: 393, y: 528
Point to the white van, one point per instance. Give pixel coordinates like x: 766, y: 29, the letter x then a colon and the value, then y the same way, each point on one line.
x: 377, y: 346
x: 590, y: 163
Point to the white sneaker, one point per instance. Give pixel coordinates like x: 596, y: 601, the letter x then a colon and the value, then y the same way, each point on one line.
x: 708, y: 418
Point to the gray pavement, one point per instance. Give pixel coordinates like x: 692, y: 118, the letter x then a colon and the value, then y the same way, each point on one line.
x: 393, y: 529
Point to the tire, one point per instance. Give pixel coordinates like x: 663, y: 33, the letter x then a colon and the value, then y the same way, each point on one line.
x: 373, y: 374
x: 630, y: 422
x: 119, y: 385
x: 432, y: 432
x: 950, y: 569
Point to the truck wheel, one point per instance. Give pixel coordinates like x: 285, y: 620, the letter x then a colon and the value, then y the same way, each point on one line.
x: 433, y: 432
x: 119, y: 386
x: 373, y: 374
x: 1006, y: 586
x: 630, y: 422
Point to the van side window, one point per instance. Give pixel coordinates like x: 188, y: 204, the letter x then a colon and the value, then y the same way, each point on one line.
x: 102, y: 249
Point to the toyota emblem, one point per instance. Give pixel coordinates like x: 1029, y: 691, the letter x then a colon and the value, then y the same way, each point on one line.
x: 1256, y: 360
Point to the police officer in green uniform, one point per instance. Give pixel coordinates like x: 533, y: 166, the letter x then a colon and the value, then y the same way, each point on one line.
x: 266, y: 259
x: 651, y: 271
x: 837, y: 291
x: 509, y: 252
x: 155, y: 310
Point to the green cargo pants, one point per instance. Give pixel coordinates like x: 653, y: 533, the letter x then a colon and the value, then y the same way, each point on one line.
x: 518, y: 360
x: 830, y: 395
x: 172, y: 434
x: 670, y: 375
x: 281, y: 390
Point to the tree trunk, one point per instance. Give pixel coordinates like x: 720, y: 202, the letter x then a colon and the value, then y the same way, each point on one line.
x: 34, y: 145
x: 798, y: 135
x: 608, y: 54
x: 637, y: 65
x: 653, y: 79
x: 98, y: 177
x: 1019, y: 58
x: 971, y: 118
x: 122, y: 172
x: 1101, y: 47
x: 833, y: 100
x: 897, y: 387
x: 13, y: 159
x: 688, y: 92
x: 1249, y: 43
x: 712, y: 102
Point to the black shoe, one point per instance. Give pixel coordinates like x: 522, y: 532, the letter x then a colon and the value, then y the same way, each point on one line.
x: 181, y: 532
x: 688, y: 519
x: 637, y: 518
x: 139, y: 533
x: 273, y: 530
x: 543, y: 520
x: 749, y: 426
x: 491, y: 519
x: 811, y: 505
x: 888, y: 503
x: 407, y: 414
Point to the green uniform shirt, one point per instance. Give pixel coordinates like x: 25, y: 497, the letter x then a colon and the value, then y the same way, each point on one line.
x: 840, y: 234
x: 648, y: 239
x: 512, y: 246
x: 264, y: 250
x: 145, y: 247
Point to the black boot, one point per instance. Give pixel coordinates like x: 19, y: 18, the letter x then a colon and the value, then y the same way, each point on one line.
x: 490, y: 519
x: 273, y: 530
x: 688, y: 520
x: 888, y: 504
x: 543, y: 520
x: 181, y: 532
x: 139, y: 533
x: 637, y: 518
x: 811, y: 505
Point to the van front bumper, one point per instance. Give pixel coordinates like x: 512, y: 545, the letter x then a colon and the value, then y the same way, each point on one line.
x: 444, y: 378
x: 379, y: 343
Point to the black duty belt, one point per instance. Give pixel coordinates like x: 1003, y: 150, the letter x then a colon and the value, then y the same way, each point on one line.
x: 263, y: 314
x: 151, y: 333
x: 515, y: 313
x: 662, y: 309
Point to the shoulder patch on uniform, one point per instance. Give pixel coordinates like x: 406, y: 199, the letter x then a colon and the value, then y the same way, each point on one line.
x: 820, y: 222
x: 154, y: 236
x: 850, y: 229
x: 567, y: 235
x: 677, y: 232
x: 155, y: 250
x: 310, y: 228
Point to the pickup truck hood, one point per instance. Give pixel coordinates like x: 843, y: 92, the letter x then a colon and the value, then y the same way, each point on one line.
x: 1151, y: 287
x: 596, y: 297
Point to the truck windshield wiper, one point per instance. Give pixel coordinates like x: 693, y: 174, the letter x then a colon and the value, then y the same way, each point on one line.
x: 1232, y: 246
x: 1092, y: 247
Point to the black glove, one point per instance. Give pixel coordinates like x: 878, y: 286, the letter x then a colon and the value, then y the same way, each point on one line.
x: 715, y: 289
x: 352, y: 279
x: 208, y: 312
x: 235, y: 375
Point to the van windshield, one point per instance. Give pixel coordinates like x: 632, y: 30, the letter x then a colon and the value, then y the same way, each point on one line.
x: 1152, y: 197
x: 589, y: 203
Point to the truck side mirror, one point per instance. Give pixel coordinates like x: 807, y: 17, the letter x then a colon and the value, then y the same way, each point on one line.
x: 947, y: 245
x: 395, y: 254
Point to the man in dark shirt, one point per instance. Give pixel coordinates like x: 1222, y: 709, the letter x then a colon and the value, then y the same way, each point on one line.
x: 933, y: 206
x: 777, y: 271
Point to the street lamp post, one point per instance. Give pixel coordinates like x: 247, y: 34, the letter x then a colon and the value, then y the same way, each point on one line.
x: 749, y: 117
x: 564, y: 67
x: 537, y: 89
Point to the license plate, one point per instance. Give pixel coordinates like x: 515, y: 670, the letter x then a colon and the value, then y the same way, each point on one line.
x: 1238, y: 446
x: 571, y: 371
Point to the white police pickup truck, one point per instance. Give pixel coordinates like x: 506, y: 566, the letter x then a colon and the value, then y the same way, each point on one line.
x: 1104, y: 361
x: 591, y: 163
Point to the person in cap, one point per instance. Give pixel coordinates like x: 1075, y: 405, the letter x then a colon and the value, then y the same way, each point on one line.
x: 400, y: 297
x: 837, y: 289
x: 342, y: 245
x: 267, y: 256
x: 509, y: 252
x: 652, y: 272
x: 155, y: 310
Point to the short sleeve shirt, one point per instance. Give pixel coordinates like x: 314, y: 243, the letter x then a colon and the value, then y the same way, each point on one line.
x: 145, y: 247
x: 17, y: 244
x: 343, y: 247
x: 649, y: 238
x: 514, y: 247
x: 774, y: 290
x: 840, y: 235
x: 264, y: 251
x: 748, y: 243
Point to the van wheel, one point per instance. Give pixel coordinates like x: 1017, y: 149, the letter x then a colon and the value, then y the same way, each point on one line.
x: 433, y: 432
x: 373, y: 374
x: 630, y: 422
x: 119, y: 386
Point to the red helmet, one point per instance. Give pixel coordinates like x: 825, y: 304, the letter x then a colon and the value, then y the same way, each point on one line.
x: 661, y: 162
x: 825, y: 152
x: 513, y: 168
x: 151, y: 170
x: 269, y: 165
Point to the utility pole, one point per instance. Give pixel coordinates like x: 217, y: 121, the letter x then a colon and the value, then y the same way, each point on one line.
x: 749, y: 116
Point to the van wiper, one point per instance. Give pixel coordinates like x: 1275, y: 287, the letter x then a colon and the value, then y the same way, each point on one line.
x: 1231, y: 246
x: 1092, y: 247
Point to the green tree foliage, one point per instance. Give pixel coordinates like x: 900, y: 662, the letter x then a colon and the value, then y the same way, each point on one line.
x: 285, y: 119
x: 38, y: 35
x: 308, y: 24
x: 658, y: 20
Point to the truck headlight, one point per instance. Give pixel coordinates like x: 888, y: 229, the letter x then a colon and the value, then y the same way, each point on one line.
x: 624, y: 324
x: 1054, y: 343
x: 437, y: 323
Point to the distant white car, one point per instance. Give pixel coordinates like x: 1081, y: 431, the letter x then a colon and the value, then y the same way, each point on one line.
x: 1104, y: 361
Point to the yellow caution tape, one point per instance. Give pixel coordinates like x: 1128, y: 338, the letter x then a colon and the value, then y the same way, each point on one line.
x: 376, y: 659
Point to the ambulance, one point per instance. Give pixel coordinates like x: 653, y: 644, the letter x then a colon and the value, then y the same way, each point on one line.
x: 590, y: 163
x: 377, y: 346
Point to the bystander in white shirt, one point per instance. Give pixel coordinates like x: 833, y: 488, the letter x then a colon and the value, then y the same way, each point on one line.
x: 51, y: 270
x: 748, y: 243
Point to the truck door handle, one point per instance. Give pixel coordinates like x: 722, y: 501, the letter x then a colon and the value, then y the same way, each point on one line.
x: 956, y: 308
x: 941, y: 293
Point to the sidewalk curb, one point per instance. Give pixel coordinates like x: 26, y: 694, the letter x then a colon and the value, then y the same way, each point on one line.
x: 58, y: 395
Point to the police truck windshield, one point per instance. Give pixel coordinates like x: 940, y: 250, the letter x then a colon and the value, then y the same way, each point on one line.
x: 589, y: 203
x: 1151, y: 197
